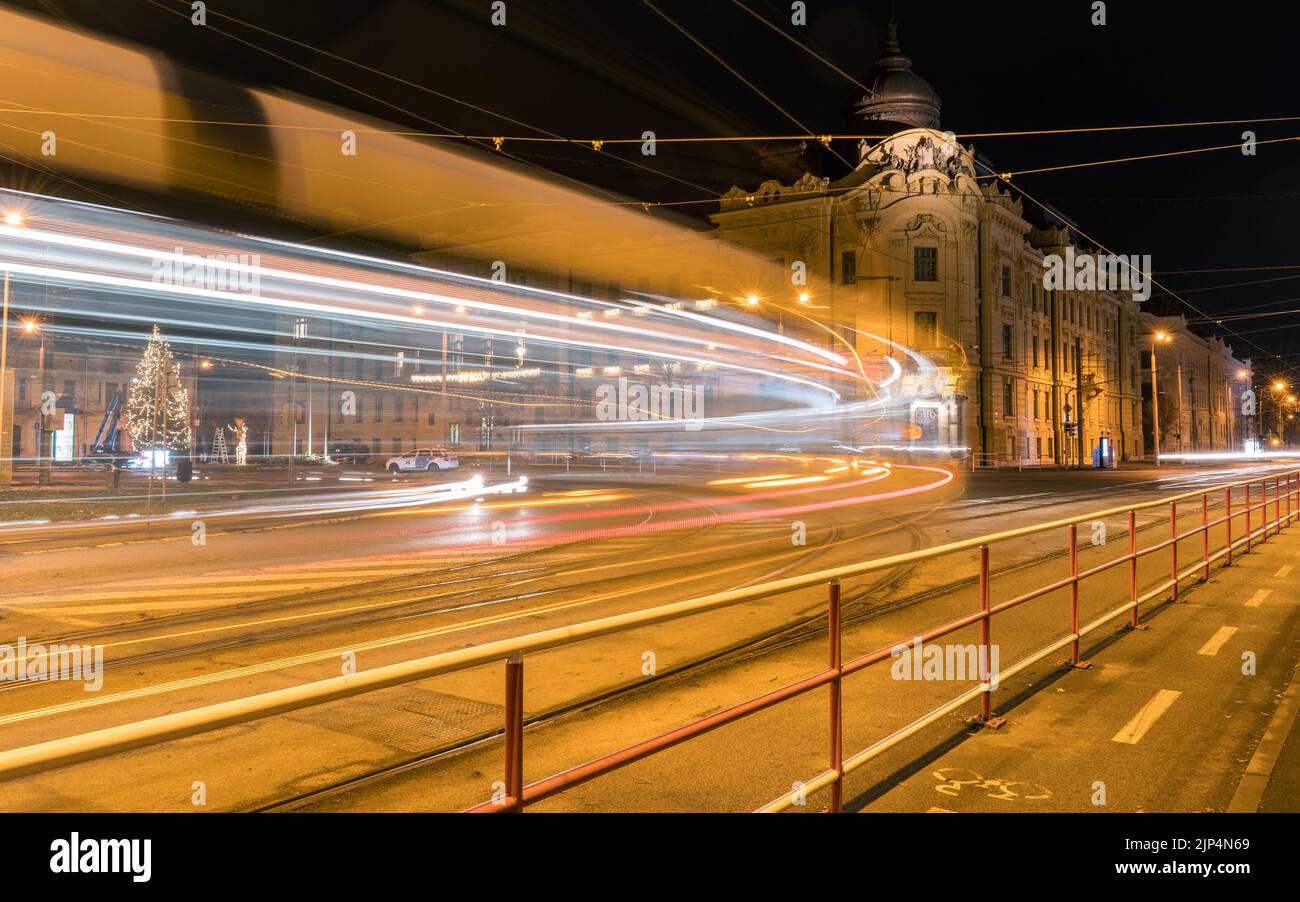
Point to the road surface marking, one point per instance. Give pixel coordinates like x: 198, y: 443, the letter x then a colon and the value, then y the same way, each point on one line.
x: 934, y: 810
x: 1258, y: 598
x: 1133, y: 731
x: 1284, y: 571
x: 1217, y: 641
x: 194, y: 603
x: 332, y: 654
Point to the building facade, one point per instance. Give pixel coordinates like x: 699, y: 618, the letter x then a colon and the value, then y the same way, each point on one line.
x: 66, y: 396
x: 1200, y: 390
x: 921, y: 253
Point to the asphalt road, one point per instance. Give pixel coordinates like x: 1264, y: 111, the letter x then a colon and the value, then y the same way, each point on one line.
x: 375, y: 578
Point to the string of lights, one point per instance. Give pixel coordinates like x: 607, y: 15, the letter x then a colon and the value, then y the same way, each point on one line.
x: 613, y: 141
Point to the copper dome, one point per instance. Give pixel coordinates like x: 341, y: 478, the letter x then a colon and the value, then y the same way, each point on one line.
x: 898, y: 95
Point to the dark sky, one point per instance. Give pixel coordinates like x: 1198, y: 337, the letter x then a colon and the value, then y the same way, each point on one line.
x: 612, y: 68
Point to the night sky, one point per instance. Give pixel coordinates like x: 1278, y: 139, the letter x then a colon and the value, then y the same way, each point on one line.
x: 615, y: 68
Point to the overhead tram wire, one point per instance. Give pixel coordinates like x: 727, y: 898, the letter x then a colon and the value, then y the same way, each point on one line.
x: 1005, y: 176
x: 582, y: 185
x: 355, y: 90
x: 549, y: 135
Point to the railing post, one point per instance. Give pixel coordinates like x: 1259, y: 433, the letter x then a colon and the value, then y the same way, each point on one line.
x: 1277, y: 504
x: 1227, y: 522
x: 986, y: 703
x: 1205, y: 533
x: 1247, y: 516
x: 1133, y: 568
x: 1074, y: 592
x: 837, y: 700
x: 514, y: 734
x: 1173, y: 548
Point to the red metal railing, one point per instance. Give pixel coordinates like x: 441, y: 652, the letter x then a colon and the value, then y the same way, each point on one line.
x: 833, y: 677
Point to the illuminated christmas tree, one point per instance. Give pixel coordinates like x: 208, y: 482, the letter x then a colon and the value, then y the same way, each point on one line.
x: 158, y: 406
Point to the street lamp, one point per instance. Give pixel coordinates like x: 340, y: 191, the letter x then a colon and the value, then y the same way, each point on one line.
x: 33, y: 327
x: 13, y: 219
x: 299, y: 334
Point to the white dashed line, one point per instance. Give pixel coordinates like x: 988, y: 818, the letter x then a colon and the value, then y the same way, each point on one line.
x: 1258, y: 598
x: 1284, y: 571
x: 1133, y: 731
x: 1217, y: 641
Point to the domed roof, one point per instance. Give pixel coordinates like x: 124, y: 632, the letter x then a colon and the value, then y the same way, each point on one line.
x: 898, y: 95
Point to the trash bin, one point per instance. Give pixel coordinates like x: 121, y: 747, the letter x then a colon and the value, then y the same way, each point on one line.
x: 184, y: 469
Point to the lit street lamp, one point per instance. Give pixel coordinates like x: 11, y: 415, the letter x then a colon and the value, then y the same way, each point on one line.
x: 1160, y: 337
x: 14, y: 220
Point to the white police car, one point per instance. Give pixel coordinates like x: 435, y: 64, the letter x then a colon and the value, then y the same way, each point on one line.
x: 423, y: 459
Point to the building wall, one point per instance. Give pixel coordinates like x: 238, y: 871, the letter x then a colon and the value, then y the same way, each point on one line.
x: 84, y: 377
x: 911, y: 238
x: 1200, y: 386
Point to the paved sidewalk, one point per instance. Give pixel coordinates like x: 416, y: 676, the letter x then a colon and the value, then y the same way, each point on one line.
x: 1165, y: 720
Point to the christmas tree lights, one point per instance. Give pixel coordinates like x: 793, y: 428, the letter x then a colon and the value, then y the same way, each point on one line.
x: 158, y: 406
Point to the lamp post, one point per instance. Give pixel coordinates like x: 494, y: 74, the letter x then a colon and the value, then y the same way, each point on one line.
x: 299, y: 333
x: 6, y: 440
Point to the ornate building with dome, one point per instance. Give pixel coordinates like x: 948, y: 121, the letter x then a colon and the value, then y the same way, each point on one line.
x: 917, y: 254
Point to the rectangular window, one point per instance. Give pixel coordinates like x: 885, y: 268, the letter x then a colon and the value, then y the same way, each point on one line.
x: 926, y: 325
x: 1035, y: 351
x: 849, y: 267
x: 395, y: 445
x: 397, y: 409
x: 1008, y: 350
x: 1008, y: 399
x: 453, y: 434
x: 379, y: 410
x: 1006, y: 281
x: 432, y: 418
x: 1039, y: 441
x: 925, y: 264
x: 1035, y: 404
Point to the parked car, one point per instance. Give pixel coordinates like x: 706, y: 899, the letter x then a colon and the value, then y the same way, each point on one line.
x: 350, y: 453
x: 423, y: 459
